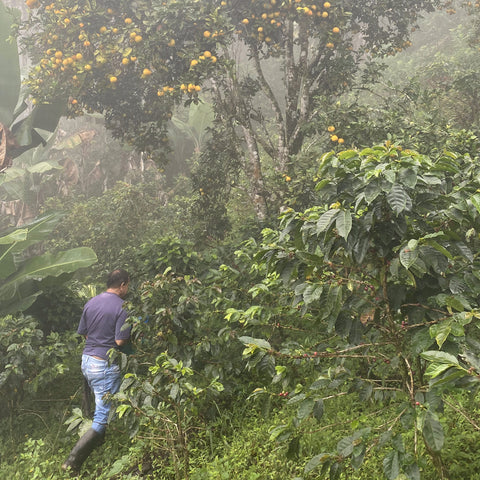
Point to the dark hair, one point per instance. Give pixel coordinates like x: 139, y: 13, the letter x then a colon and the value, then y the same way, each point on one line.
x: 117, y: 277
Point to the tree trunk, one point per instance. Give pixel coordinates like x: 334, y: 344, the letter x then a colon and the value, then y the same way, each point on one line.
x: 253, y: 171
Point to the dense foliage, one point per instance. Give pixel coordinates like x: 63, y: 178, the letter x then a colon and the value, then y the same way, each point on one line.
x: 267, y: 68
x: 370, y: 295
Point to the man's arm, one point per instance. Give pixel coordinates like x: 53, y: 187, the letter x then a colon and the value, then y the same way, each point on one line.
x: 121, y: 342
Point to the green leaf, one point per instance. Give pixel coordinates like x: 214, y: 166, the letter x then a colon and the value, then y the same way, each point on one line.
x: 449, y: 378
x: 326, y: 220
x: 38, y: 230
x: 16, y: 236
x: 408, y: 176
x: 305, y: 409
x: 439, y: 248
x: 412, y: 471
x: 122, y: 409
x: 441, y: 331
x: 344, y: 223
x: 318, y: 409
x: 391, y: 465
x: 345, y: 446
x: 464, y: 251
x: 435, y: 369
x: 440, y: 357
x: 38, y: 127
x: 347, y: 154
x: 312, y: 293
x: 358, y: 456
x: 315, y: 461
x: 258, y: 342
x: 398, y: 199
x: 433, y: 431
x: 118, y: 466
x: 296, y: 399
x: 334, y: 300
x: 372, y: 191
x: 458, y: 302
x: 475, y: 199
x: 43, y: 167
x: 447, y: 164
x: 277, y: 431
x: 325, y: 159
x: 408, y: 256
x: 321, y: 184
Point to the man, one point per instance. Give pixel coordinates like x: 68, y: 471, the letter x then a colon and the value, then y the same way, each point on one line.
x: 103, y: 325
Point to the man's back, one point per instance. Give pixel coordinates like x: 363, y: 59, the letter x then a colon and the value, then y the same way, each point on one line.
x: 101, y: 322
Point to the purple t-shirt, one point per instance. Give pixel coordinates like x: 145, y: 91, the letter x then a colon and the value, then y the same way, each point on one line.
x: 102, y: 320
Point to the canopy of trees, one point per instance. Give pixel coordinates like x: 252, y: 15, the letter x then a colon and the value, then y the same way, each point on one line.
x: 135, y: 62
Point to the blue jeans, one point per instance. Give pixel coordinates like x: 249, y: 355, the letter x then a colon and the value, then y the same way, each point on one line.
x: 103, y: 379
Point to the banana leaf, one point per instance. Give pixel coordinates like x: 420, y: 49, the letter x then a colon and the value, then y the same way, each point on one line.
x: 20, y: 289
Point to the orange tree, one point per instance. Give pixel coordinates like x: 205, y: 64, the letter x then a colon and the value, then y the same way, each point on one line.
x: 263, y: 64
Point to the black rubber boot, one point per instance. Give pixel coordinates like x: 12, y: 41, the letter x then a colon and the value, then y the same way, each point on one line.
x: 83, y: 449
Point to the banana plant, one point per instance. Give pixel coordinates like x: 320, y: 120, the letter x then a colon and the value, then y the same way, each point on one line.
x: 22, y: 275
x: 194, y: 129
